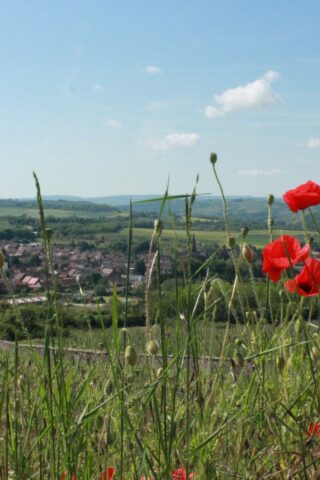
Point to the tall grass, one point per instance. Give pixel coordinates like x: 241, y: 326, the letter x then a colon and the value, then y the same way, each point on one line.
x: 230, y: 404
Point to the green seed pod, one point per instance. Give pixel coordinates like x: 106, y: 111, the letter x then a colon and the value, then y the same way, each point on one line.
x: 153, y: 347
x: 130, y: 356
x: 280, y: 363
x: 213, y: 159
x: 270, y: 199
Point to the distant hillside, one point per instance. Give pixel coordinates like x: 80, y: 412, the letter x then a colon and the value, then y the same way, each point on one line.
x: 59, y: 204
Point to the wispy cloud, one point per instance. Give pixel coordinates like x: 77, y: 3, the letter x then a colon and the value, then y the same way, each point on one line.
x: 252, y: 96
x: 111, y: 123
x: 97, y: 88
x: 313, y: 143
x: 256, y: 172
x: 152, y: 69
x: 173, y: 140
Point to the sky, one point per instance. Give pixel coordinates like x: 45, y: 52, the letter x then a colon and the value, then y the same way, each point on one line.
x: 111, y: 97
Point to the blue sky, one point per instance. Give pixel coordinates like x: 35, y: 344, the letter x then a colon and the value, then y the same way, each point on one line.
x: 113, y: 97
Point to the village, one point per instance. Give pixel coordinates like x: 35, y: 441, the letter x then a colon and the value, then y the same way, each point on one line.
x: 93, y: 272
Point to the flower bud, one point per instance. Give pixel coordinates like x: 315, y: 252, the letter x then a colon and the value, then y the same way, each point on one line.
x: 310, y: 241
x: 213, y: 159
x: 247, y: 253
x: 270, y: 199
x: 130, y: 356
x: 231, y: 242
x: 153, y: 347
x: 282, y: 295
x: 244, y: 231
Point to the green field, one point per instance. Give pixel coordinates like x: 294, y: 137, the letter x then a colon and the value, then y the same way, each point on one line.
x: 258, y: 238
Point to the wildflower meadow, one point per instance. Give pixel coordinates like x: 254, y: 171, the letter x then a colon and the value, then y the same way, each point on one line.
x: 194, y: 398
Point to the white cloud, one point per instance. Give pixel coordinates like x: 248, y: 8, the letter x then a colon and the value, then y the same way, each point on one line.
x: 313, y: 143
x: 112, y: 123
x: 152, y: 69
x: 252, y: 96
x: 97, y: 88
x: 256, y: 172
x: 213, y: 112
x: 174, y: 140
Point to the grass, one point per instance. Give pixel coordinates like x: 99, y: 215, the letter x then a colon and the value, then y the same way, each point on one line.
x: 156, y: 402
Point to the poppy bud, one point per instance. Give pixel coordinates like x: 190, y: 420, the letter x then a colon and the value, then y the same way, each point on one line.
x: 153, y: 347
x: 231, y: 242
x: 158, y: 226
x: 130, y: 356
x: 310, y: 241
x: 244, y: 231
x: 1, y: 260
x: 213, y: 159
x: 282, y: 295
x: 280, y: 363
x: 270, y: 199
x: 247, y: 253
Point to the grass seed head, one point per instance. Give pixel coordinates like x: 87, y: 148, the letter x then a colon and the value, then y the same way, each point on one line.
x: 153, y: 347
x: 131, y: 356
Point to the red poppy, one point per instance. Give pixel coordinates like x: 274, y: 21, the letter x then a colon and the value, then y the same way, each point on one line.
x: 314, y: 429
x: 281, y: 254
x: 304, y: 196
x: 181, y: 474
x: 64, y: 476
x: 307, y: 282
x: 109, y: 476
